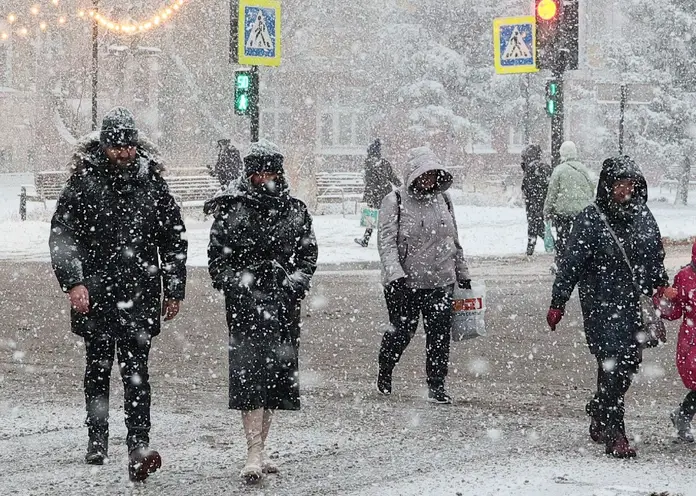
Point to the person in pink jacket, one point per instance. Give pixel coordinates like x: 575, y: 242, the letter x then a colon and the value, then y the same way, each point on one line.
x: 677, y: 302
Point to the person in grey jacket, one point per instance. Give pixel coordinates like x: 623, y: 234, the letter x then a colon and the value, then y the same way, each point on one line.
x: 421, y: 259
x: 570, y: 191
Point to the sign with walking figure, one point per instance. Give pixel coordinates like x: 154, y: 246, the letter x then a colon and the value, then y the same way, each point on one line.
x: 259, y: 32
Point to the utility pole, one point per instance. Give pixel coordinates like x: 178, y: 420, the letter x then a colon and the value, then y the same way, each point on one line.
x: 558, y: 117
x: 527, y: 111
x: 95, y: 65
x: 255, y: 105
x: 622, y: 116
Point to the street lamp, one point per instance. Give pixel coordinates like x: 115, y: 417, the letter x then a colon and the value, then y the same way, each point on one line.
x: 95, y: 64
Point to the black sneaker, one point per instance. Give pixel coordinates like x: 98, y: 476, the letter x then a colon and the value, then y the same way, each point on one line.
x: 384, y: 382
x: 439, y: 396
x: 142, y: 462
x: 361, y: 242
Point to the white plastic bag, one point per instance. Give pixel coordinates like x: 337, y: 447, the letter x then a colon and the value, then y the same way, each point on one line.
x: 469, y: 308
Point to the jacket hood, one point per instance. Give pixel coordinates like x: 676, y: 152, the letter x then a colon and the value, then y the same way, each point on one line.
x: 375, y: 149
x: 568, y: 151
x: 613, y: 170
x: 89, y: 153
x: 423, y: 160
x: 531, y: 153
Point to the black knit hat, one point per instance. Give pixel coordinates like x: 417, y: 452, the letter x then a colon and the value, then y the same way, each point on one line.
x: 118, y: 128
x: 263, y: 156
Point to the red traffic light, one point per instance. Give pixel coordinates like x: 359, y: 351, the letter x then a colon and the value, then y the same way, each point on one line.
x: 547, y: 10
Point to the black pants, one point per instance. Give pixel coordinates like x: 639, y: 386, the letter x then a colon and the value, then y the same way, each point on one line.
x: 563, y: 224
x: 405, y: 307
x: 132, y: 353
x: 688, y: 406
x: 614, y: 377
x: 367, y: 235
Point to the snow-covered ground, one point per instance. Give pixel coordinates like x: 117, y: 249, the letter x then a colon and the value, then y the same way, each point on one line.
x: 484, y: 231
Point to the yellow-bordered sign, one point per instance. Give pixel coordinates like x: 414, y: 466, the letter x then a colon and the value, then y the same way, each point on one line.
x: 514, y: 42
x: 259, y: 32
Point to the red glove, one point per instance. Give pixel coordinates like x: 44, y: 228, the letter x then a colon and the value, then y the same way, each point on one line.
x: 554, y: 317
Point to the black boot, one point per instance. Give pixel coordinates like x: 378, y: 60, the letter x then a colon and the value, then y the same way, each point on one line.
x: 98, y: 446
x: 531, y: 245
x: 384, y: 381
x: 142, y: 462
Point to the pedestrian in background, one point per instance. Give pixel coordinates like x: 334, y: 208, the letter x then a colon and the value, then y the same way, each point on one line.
x: 229, y: 164
x: 379, y: 178
x: 615, y: 256
x: 570, y: 191
x: 422, y: 260
x: 535, y: 183
x: 114, y: 222
x: 262, y: 256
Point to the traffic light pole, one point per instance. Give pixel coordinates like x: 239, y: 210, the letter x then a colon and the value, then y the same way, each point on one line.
x: 255, y: 105
x: 622, y: 118
x: 557, y: 121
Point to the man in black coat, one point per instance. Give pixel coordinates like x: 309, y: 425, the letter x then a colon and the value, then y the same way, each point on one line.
x: 114, y: 221
x: 608, y: 288
x: 535, y: 185
x: 262, y: 256
x: 229, y: 164
x: 379, y: 178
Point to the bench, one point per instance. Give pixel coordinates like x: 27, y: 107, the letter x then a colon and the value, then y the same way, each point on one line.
x: 47, y: 186
x: 188, y: 189
x: 671, y: 184
x: 334, y: 187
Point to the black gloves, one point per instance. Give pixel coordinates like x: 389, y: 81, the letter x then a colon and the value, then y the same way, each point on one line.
x: 465, y: 284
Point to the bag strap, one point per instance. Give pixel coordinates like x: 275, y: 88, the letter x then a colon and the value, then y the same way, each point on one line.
x: 620, y: 245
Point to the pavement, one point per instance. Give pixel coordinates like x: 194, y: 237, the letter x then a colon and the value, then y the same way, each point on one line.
x: 517, y: 425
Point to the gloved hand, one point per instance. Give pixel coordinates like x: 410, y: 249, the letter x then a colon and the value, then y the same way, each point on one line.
x: 465, y: 284
x: 553, y: 318
x: 397, y: 285
x: 299, y: 282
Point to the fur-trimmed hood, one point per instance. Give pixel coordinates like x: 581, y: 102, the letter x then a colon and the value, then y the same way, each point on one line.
x: 89, y: 154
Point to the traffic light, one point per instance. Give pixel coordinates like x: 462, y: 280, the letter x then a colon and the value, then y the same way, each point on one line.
x: 554, y: 100
x: 549, y: 14
x: 245, y: 92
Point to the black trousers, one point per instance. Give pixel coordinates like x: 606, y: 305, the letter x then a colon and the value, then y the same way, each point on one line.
x: 367, y: 235
x: 688, y: 406
x: 132, y: 353
x: 563, y: 224
x: 405, y: 307
x: 614, y: 377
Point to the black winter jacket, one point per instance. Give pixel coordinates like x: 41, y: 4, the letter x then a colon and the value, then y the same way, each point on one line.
x: 109, y: 232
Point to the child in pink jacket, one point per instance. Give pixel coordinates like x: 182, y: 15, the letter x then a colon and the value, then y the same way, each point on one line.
x: 677, y: 302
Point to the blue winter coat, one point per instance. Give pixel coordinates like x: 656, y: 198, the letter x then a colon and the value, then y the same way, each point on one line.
x: 593, y: 262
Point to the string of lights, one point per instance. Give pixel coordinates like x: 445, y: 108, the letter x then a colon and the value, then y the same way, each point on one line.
x: 20, y: 24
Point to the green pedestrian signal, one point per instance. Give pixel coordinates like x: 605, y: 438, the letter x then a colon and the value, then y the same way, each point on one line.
x: 245, y: 92
x: 553, y: 96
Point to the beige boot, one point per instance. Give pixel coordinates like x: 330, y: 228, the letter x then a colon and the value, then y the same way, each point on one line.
x: 266, y: 464
x: 253, y: 429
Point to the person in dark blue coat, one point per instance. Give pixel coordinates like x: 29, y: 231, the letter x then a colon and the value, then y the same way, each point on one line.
x: 608, y: 290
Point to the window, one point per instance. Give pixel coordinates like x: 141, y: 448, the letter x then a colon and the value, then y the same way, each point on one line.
x: 483, y: 144
x: 342, y: 122
x: 275, y: 119
x: 516, y: 139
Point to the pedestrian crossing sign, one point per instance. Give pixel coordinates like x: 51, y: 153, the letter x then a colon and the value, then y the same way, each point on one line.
x: 259, y: 32
x: 514, y: 40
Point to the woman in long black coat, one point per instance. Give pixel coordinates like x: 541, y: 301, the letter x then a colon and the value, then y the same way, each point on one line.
x: 262, y: 256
